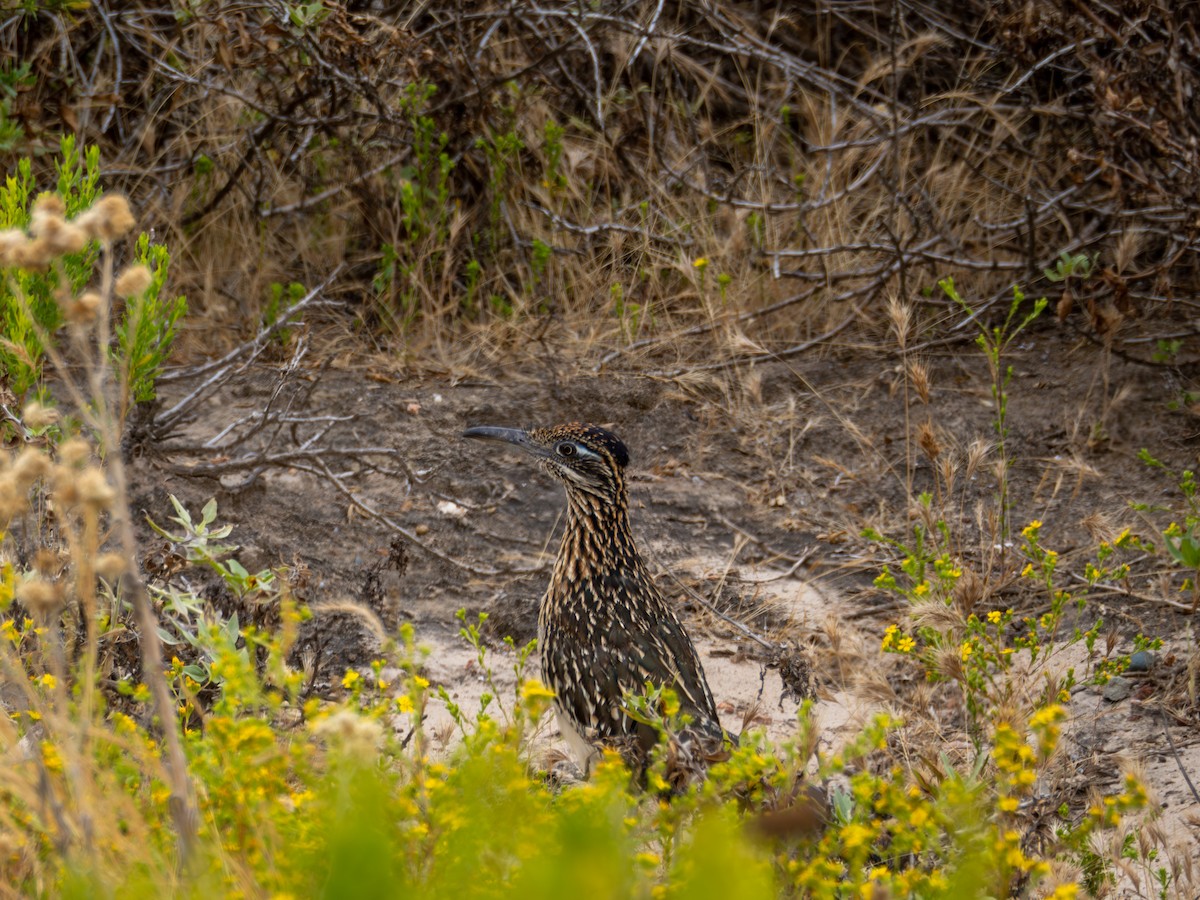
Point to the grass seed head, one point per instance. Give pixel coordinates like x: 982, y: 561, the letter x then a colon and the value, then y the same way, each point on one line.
x: 918, y: 374
x: 977, y: 452
x: 901, y: 315
x: 947, y: 662
x: 927, y: 440
x: 949, y: 469
x: 969, y: 591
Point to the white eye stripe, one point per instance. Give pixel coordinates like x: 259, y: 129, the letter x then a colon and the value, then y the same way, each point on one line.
x: 575, y: 451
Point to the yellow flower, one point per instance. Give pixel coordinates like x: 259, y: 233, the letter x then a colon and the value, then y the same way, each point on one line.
x: 1030, y: 531
x: 299, y: 798
x: 906, y: 644
x: 1009, y: 804
x: 701, y: 263
x: 1065, y: 892
x: 966, y: 650
x: 48, y: 681
x: 534, y: 689
x: 921, y: 589
x: 1027, y: 571
x: 350, y: 679
x: 994, y: 616
x: 420, y: 682
x: 404, y: 704
x: 51, y: 757
x: 1048, y: 715
x: 856, y: 834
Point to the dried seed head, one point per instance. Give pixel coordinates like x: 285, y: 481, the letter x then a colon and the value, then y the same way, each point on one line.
x: 48, y: 562
x: 67, y: 238
x: 46, y: 222
x: 66, y: 486
x: 111, y: 566
x: 969, y: 591
x: 36, y: 415
x: 937, y: 615
x: 901, y: 316
x: 1129, y: 244
x: 28, y: 467
x: 48, y: 206
x: 38, y: 595
x: 82, y: 310
x: 94, y: 488
x: 13, y: 500
x: 133, y: 281
x: 948, y: 663
x: 74, y: 452
x: 949, y: 469
x: 918, y: 374
x: 976, y: 454
x: 1100, y: 528
x: 108, y: 219
x: 927, y: 440
x: 352, y: 732
x: 33, y: 256
x: 10, y: 240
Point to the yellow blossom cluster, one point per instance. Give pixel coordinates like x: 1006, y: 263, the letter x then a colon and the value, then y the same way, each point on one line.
x: 895, y: 642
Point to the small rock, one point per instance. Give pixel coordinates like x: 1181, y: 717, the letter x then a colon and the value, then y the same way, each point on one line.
x: 1117, y: 689
x: 1142, y: 661
x: 451, y: 510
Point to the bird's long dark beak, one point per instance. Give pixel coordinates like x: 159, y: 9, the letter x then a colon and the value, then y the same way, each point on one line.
x: 517, y: 436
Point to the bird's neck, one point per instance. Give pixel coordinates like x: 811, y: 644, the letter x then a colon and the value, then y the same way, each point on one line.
x: 597, y: 540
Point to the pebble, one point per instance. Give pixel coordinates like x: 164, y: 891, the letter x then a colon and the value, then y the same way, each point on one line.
x: 1117, y: 689
x: 1142, y: 661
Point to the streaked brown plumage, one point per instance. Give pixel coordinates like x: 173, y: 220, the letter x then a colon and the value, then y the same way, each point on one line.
x: 604, y: 628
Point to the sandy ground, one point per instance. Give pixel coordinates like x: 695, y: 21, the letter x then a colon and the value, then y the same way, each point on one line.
x: 751, y: 501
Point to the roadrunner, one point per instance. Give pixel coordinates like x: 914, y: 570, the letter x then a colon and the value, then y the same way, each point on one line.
x: 604, y: 628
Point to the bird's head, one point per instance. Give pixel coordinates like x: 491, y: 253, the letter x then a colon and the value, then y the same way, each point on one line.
x: 584, y: 457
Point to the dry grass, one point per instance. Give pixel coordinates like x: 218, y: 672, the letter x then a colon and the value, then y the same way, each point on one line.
x: 818, y: 161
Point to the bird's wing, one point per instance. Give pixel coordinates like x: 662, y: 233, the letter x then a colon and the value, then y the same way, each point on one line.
x: 620, y: 646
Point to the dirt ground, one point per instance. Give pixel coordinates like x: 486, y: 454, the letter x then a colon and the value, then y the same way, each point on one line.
x: 749, y: 490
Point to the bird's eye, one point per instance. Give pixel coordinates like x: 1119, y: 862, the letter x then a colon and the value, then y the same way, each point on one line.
x: 565, y: 449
